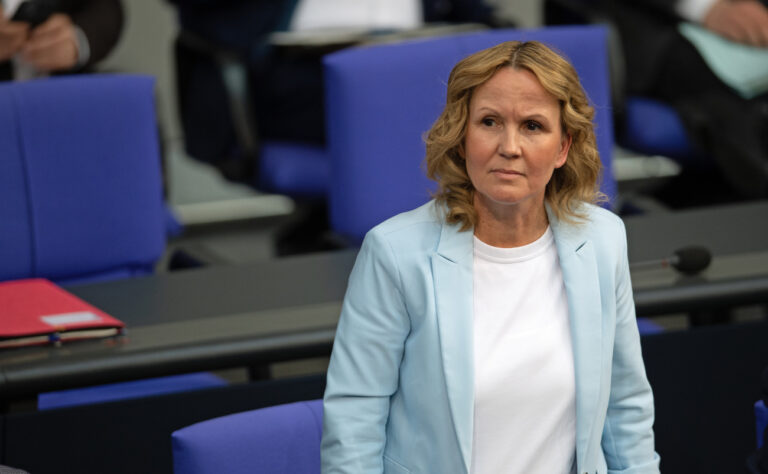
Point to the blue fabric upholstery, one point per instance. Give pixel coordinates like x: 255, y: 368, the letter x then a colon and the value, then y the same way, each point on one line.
x: 654, y: 128
x: 128, y: 390
x: 284, y: 439
x: 647, y: 326
x: 294, y: 169
x: 761, y: 421
x: 380, y: 100
x: 16, y: 246
x: 81, y: 183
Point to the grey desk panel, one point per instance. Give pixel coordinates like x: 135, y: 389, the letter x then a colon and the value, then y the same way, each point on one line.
x: 161, y: 349
x: 724, y: 230
x: 729, y: 280
x: 214, y: 291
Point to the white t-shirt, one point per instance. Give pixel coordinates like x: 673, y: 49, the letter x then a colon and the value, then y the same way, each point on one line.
x: 525, y: 393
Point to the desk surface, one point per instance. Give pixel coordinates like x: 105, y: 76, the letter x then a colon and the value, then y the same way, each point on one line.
x: 220, y: 317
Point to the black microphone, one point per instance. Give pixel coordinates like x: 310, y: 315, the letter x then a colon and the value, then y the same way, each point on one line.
x: 687, y: 260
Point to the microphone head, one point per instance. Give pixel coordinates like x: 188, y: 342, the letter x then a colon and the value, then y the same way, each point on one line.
x: 691, y: 260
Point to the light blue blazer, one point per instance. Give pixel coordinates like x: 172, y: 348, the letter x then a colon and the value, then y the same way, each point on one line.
x: 400, y: 392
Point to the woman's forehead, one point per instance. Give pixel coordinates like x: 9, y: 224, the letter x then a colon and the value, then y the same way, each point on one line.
x: 511, y: 87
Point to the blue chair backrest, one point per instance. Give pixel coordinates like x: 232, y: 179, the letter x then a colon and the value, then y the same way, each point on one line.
x: 80, y: 179
x: 283, y: 439
x: 761, y: 421
x: 380, y: 100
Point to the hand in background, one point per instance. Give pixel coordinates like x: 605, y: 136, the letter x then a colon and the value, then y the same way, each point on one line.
x: 13, y: 34
x: 743, y: 21
x: 52, y: 46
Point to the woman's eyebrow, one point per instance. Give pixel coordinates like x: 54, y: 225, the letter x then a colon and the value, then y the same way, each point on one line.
x: 486, y: 108
x: 536, y: 116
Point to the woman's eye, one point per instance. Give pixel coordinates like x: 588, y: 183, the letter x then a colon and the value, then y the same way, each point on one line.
x: 532, y: 125
x: 489, y: 122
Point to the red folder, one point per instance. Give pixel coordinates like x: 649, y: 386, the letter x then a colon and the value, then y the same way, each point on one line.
x: 36, y: 311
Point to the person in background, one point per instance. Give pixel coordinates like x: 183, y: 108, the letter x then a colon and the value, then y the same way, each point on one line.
x: 284, y: 84
x: 493, y: 329
x: 76, y: 35
x: 660, y: 62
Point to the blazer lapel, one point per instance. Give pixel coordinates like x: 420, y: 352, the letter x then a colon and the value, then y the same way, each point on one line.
x: 579, y: 266
x: 452, y: 273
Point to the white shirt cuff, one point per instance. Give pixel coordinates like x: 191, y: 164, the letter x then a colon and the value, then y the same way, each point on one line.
x: 83, y: 48
x: 694, y: 10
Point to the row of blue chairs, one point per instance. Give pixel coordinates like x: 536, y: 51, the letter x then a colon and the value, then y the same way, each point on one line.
x: 81, y: 178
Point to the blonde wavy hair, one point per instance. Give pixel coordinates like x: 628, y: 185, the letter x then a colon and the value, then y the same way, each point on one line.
x: 572, y: 184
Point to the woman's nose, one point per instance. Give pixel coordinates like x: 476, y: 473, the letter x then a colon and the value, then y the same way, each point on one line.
x: 509, y: 144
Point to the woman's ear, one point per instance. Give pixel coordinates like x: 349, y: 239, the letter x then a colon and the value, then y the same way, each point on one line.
x: 565, y: 146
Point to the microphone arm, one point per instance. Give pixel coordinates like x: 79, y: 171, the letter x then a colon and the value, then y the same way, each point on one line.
x: 687, y: 260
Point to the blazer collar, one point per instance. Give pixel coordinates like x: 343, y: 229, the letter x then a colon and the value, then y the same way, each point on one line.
x: 452, y: 273
x: 582, y: 285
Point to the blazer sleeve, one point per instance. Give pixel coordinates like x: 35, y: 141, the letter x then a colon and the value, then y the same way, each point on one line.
x: 628, y: 441
x: 364, y: 367
x: 101, y: 22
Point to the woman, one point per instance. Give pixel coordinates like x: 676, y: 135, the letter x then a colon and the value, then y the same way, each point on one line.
x: 492, y: 330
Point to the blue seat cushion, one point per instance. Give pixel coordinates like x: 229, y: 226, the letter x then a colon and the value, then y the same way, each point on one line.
x: 294, y: 169
x: 283, y: 438
x: 654, y: 128
x: 761, y: 421
x: 127, y: 390
x: 647, y: 326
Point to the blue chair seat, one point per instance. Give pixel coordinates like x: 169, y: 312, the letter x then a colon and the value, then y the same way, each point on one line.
x: 647, y: 326
x: 655, y: 128
x: 761, y: 421
x: 294, y: 169
x: 128, y: 390
x: 275, y: 440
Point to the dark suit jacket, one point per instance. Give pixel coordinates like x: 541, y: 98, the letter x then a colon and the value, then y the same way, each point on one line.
x: 101, y: 22
x: 285, y: 88
x: 647, y: 29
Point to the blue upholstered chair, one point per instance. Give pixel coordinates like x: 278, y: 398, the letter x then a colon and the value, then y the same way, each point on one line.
x: 294, y: 169
x: 283, y: 439
x: 81, y: 194
x: 652, y: 127
x: 380, y: 100
x: 80, y: 180
x: 761, y: 421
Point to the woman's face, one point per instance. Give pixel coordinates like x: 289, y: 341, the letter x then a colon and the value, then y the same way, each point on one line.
x: 514, y: 139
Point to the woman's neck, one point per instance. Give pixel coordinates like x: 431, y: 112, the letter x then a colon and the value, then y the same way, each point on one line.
x: 512, y: 225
